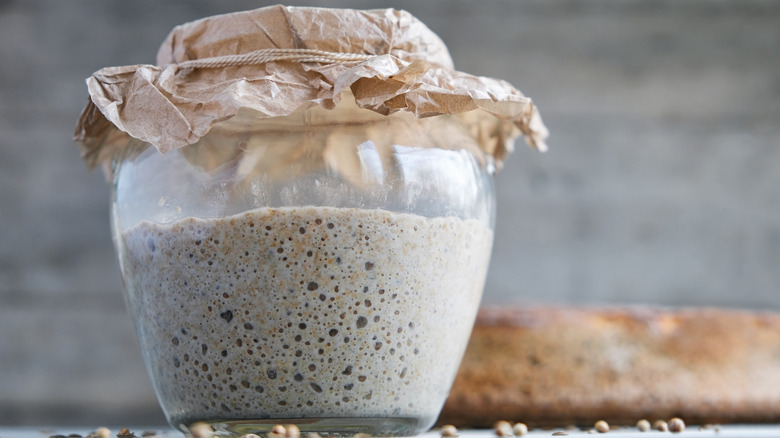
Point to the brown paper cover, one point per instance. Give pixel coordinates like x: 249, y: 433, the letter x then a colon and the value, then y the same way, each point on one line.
x: 170, y: 106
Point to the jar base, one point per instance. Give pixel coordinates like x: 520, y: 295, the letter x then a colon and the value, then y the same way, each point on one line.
x: 343, y: 426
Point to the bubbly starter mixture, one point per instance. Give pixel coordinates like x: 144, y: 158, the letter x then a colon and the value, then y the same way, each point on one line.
x: 311, y: 312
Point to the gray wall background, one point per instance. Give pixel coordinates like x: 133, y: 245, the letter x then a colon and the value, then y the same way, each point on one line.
x: 661, y: 186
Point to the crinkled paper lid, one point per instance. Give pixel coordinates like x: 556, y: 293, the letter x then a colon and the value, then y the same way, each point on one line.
x: 397, y: 64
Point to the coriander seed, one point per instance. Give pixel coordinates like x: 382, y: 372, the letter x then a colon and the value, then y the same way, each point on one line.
x: 101, y: 432
x: 643, y: 425
x: 278, y: 430
x: 601, y: 426
x: 502, y: 428
x: 449, y: 431
x: 676, y: 425
x: 292, y: 431
x: 519, y: 429
x: 201, y: 430
x: 661, y: 425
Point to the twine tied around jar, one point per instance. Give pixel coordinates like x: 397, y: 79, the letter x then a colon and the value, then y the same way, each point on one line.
x: 269, y: 55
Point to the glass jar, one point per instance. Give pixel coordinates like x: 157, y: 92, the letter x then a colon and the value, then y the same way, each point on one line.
x: 322, y: 269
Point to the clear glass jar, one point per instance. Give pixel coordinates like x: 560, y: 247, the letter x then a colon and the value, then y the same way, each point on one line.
x: 322, y: 269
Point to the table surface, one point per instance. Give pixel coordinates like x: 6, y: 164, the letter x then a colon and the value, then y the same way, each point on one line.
x: 729, y: 431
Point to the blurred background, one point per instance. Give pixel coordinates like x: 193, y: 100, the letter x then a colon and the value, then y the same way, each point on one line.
x: 661, y: 187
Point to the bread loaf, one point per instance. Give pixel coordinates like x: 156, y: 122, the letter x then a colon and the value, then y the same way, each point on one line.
x: 561, y: 366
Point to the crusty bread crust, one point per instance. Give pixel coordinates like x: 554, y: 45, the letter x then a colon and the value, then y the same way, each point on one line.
x: 560, y: 366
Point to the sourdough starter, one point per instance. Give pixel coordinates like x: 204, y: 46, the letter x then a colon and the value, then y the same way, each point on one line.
x: 311, y: 312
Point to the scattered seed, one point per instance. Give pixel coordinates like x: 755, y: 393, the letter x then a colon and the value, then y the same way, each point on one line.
x: 643, y: 425
x: 249, y: 435
x: 661, y: 425
x: 601, y: 426
x: 591, y: 431
x: 125, y: 433
x: 519, y: 429
x: 149, y: 433
x: 676, y: 425
x: 201, y: 430
x: 292, y: 431
x: 502, y: 428
x: 278, y: 430
x: 101, y: 432
x: 449, y: 431
x: 560, y: 433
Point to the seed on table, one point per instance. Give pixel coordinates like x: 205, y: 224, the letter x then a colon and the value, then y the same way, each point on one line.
x: 201, y: 430
x: 292, y: 431
x: 313, y: 435
x: 519, y: 429
x: 449, y: 431
x: 601, y: 426
x: 560, y: 433
x: 676, y: 425
x: 125, y: 433
x: 502, y: 428
x: 661, y: 426
x: 643, y: 425
x: 277, y: 431
x: 101, y: 432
